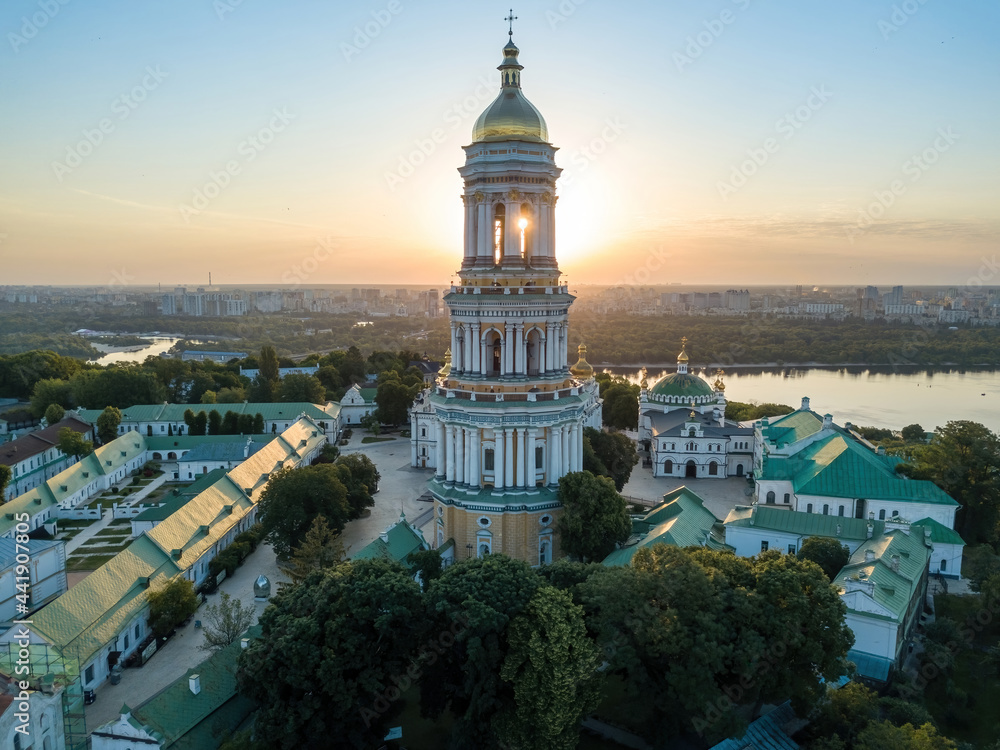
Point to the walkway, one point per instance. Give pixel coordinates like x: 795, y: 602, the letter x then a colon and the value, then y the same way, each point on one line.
x: 720, y: 495
x: 107, y: 516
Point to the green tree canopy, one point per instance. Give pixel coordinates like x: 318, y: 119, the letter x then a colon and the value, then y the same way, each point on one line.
x: 886, y: 736
x: 335, y: 653
x: 170, y: 604
x: 72, y: 443
x: 963, y: 459
x: 739, y: 411
x: 610, y: 454
x: 319, y: 549
x: 594, y: 517
x: 294, y: 497
x: 226, y: 621
x: 360, y: 476
x: 5, y: 476
x: 51, y: 391
x: 107, y: 424
x: 296, y: 387
x: 621, y: 406
x: 394, y: 399
x: 54, y: 414
x: 913, y: 433
x: 828, y: 553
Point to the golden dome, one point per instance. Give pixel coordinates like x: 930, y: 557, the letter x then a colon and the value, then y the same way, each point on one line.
x: 719, y: 385
x: 511, y: 116
x: 445, y: 370
x: 644, y: 384
x: 582, y: 369
x: 683, y: 357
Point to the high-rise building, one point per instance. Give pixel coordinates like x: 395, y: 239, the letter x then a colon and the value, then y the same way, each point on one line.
x: 506, y: 417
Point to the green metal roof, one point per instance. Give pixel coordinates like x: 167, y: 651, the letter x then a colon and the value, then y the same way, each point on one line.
x: 368, y: 394
x: 398, y: 541
x: 682, y: 520
x: 891, y: 589
x: 271, y: 411
x: 802, y: 524
x: 940, y: 534
x: 792, y: 427
x: 85, y: 618
x: 681, y: 384
x: 871, y: 666
x: 839, y: 466
x: 189, y: 442
x: 185, y: 721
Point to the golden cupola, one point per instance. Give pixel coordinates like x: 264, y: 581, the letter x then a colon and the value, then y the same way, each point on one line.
x: 582, y: 369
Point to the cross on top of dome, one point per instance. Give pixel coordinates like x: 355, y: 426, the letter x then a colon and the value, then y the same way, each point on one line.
x: 510, y: 20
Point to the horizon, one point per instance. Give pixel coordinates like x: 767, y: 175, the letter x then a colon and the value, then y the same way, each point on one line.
x: 763, y: 145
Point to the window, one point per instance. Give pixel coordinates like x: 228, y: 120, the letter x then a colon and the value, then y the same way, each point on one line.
x: 770, y: 497
x: 423, y: 432
x: 840, y: 512
x: 88, y: 675
x: 787, y: 498
x: 488, y: 460
x: 809, y: 508
x: 944, y: 565
x: 826, y: 509
x: 668, y: 467
x: 881, y: 514
x: 126, y: 643
x: 539, y: 457
x: 763, y: 546
x: 895, y: 514
x: 713, y: 469
x: 691, y: 432
x: 791, y: 549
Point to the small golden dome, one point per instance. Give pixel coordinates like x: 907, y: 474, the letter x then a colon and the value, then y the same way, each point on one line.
x: 582, y: 369
x: 683, y: 357
x: 445, y: 371
x: 719, y: 385
x: 644, y: 384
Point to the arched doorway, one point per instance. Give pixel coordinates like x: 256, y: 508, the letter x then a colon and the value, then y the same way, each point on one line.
x: 494, y: 353
x: 691, y: 469
x: 668, y: 467
x: 533, y: 350
x: 739, y: 470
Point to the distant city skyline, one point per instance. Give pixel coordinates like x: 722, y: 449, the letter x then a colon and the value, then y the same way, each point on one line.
x: 733, y: 143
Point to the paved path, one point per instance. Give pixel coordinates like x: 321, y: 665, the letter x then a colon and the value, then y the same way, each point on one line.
x: 720, y: 495
x: 182, y: 651
x: 107, y: 516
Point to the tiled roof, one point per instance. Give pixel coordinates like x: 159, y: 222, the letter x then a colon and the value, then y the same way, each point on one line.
x: 34, y: 443
x: 802, y: 524
x: 681, y: 521
x: 840, y: 466
x: 398, y: 541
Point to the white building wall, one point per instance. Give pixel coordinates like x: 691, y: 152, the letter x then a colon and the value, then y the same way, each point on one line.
x: 873, y: 636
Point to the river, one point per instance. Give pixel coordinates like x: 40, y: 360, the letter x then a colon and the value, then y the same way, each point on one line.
x: 157, y: 345
x: 866, y: 396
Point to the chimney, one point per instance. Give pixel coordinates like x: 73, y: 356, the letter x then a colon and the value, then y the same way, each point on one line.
x: 870, y: 530
x: 244, y: 642
x: 869, y: 556
x: 927, y: 534
x: 839, y: 529
x: 194, y: 682
x: 827, y: 421
x: 880, y: 450
x: 894, y: 563
x: 805, y: 403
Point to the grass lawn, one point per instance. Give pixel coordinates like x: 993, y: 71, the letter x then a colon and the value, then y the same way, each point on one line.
x: 114, y: 531
x: 371, y: 439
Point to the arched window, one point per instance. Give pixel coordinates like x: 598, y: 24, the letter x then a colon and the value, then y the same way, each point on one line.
x: 809, y: 508
x: 713, y: 469
x: 840, y: 512
x: 691, y: 432
x: 499, y: 227
x: 881, y: 514
x: 668, y: 467
x: 787, y: 499
x: 826, y: 509
x: 770, y: 497
x: 944, y: 565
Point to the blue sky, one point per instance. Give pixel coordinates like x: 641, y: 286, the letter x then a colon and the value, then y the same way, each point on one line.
x: 729, y: 141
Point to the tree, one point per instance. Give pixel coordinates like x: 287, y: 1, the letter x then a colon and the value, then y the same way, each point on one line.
x: 50, y: 391
x: 427, y: 564
x: 268, y: 364
x: 475, y: 599
x: 208, y: 397
x: 319, y: 549
x: 739, y: 411
x: 231, y: 396
x: 5, y: 477
x: 72, y: 443
x: 612, y: 455
x: 214, y: 422
x: 296, y: 387
x: 231, y: 423
x: 360, y: 476
x: 594, y: 517
x: 394, y: 399
x: 885, y: 736
x: 120, y: 385
x: 621, y: 406
x: 107, y: 424
x: 335, y: 652
x: 171, y: 604
x: 551, y: 665
x: 266, y: 384
x: 258, y: 424
x: 371, y: 423
x: 189, y: 420
x: 828, y: 553
x: 245, y: 424
x: 226, y: 621
x: 54, y: 414
x: 913, y: 433
x: 294, y: 497
x: 963, y: 459
x: 845, y: 713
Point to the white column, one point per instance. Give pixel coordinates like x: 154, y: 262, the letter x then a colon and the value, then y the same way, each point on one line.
x: 508, y: 453
x: 459, y: 455
x: 563, y: 339
x: 484, y: 247
x: 498, y: 459
x: 550, y: 347
x: 467, y: 354
x: 519, y: 350
x: 555, y: 439
x: 470, y: 227
x: 450, y: 454
x: 510, y: 349
x: 477, y: 350
x: 519, y: 468
x: 475, y: 477
x: 414, y: 437
x: 454, y: 345
x: 544, y: 243
x: 529, y: 452
x: 467, y: 454
x: 512, y: 232
x: 441, y: 437
x: 565, y: 449
x: 575, y: 446
x: 503, y: 355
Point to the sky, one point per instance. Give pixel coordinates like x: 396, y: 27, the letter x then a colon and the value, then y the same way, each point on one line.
x: 725, y: 142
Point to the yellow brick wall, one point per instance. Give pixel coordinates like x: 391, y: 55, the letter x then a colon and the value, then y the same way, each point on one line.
x: 514, y: 534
